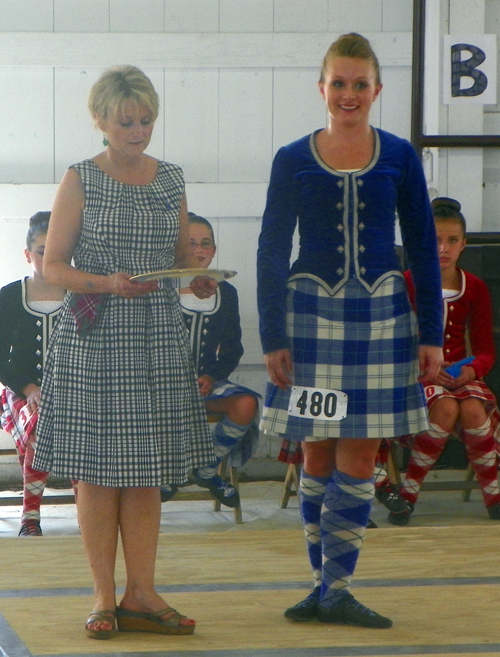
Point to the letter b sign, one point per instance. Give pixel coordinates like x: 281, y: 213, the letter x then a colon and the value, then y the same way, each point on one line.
x: 467, y: 68
x: 469, y: 71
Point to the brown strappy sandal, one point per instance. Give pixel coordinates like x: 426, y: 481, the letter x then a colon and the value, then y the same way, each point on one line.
x: 107, y: 616
x: 137, y: 621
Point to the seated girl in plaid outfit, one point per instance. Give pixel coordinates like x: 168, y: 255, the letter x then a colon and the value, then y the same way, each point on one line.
x: 464, y: 403
x: 215, y: 337
x: 29, y: 309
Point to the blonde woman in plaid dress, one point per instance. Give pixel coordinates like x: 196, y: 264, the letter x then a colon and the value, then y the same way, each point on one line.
x: 338, y: 332
x: 120, y: 407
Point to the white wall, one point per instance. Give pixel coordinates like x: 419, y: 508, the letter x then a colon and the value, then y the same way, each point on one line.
x: 236, y: 78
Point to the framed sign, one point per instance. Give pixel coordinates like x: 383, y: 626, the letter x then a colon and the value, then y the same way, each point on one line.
x: 470, y: 69
x: 455, y: 116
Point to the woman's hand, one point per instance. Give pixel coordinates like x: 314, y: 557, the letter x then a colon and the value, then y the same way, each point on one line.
x: 32, y: 393
x: 203, y: 286
x: 121, y: 285
x: 430, y: 360
x: 205, y: 383
x: 279, y: 367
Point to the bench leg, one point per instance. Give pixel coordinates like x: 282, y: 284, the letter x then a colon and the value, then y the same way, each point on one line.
x: 468, y: 477
x: 235, y: 481
x: 291, y: 484
x: 222, y: 473
x: 392, y: 465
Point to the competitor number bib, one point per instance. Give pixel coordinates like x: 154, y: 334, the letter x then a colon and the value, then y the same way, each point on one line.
x: 317, y: 403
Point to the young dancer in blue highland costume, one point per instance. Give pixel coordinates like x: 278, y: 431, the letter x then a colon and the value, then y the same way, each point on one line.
x: 341, y: 342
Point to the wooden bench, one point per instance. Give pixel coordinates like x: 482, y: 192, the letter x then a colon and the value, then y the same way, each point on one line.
x: 181, y: 495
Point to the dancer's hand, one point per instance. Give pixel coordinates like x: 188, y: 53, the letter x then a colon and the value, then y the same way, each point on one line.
x: 430, y: 360
x: 279, y: 367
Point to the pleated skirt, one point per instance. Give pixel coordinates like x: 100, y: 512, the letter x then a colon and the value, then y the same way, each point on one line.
x: 359, y: 344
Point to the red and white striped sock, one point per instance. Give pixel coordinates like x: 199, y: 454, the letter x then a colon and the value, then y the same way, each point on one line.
x: 381, y: 477
x: 425, y: 452
x: 33, y: 483
x: 481, y: 451
x: 33, y: 486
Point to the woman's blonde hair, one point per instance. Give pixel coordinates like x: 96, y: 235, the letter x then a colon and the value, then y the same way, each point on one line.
x: 351, y: 45
x: 118, y: 85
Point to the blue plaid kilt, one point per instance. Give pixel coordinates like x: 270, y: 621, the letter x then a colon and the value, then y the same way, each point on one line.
x: 362, y: 344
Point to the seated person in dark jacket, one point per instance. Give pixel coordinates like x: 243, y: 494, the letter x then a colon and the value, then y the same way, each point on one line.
x: 215, y: 334
x: 28, y: 312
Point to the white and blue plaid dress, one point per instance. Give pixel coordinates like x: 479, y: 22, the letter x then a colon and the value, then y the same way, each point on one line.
x: 120, y: 404
x: 361, y: 344
x: 342, y: 308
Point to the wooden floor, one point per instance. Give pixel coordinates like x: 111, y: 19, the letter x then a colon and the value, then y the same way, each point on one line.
x: 440, y: 585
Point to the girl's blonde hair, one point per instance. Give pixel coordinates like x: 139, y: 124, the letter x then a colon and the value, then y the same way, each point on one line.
x: 118, y: 85
x: 351, y: 45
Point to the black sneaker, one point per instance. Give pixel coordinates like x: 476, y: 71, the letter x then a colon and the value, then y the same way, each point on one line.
x: 494, y: 511
x: 371, y: 524
x: 351, y: 612
x: 168, y: 491
x: 306, y: 609
x: 30, y: 528
x: 220, y: 489
x: 390, y: 497
x: 401, y: 519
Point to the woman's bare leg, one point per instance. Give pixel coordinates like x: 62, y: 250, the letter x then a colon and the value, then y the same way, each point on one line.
x: 98, y: 515
x: 139, y: 527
